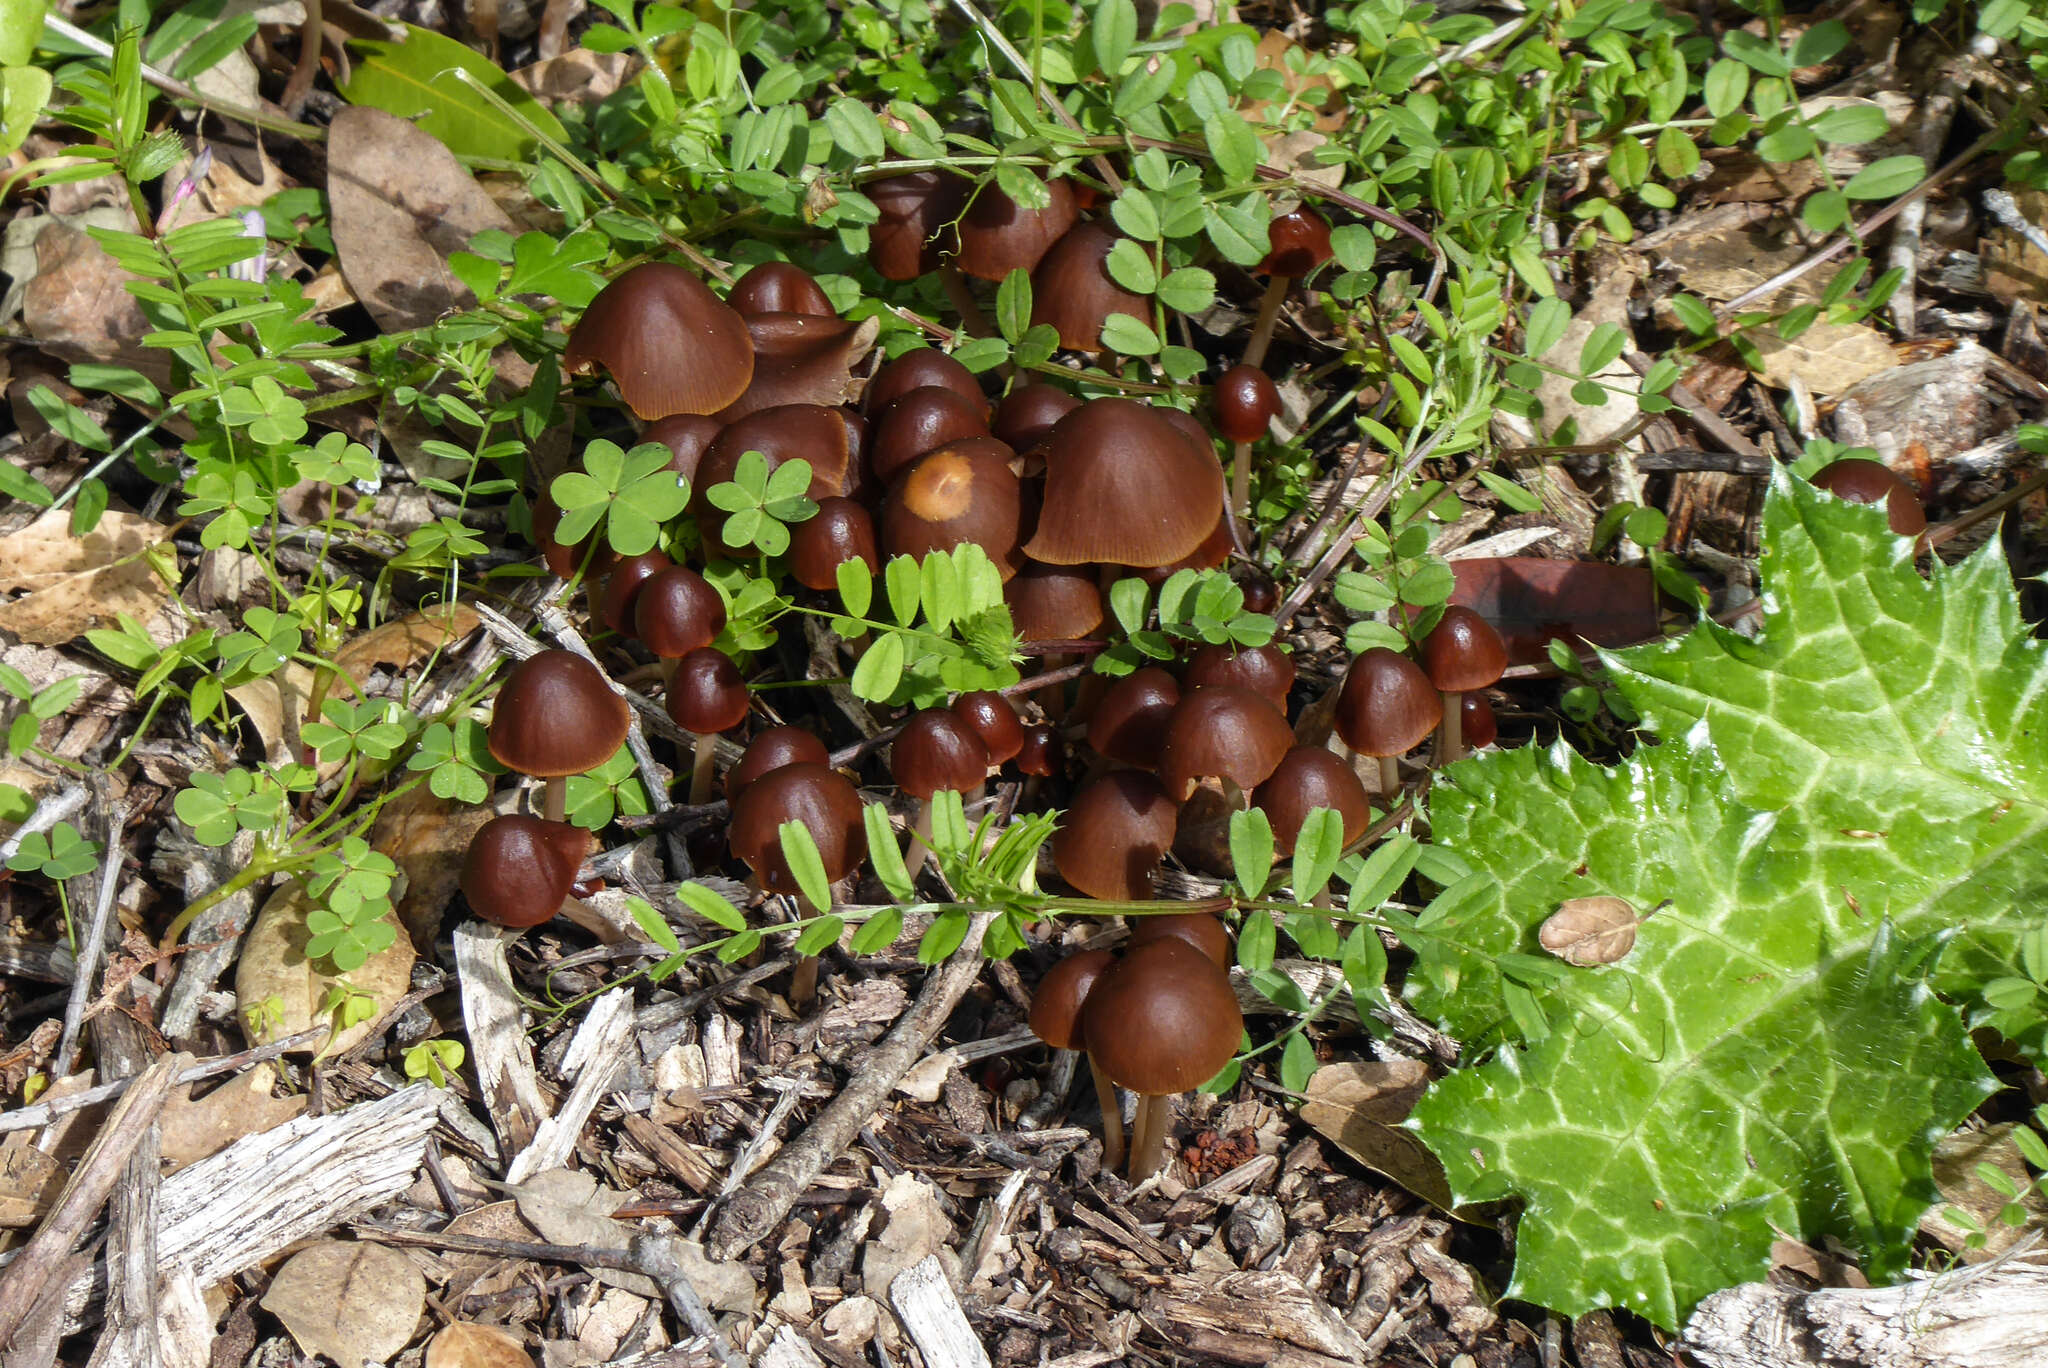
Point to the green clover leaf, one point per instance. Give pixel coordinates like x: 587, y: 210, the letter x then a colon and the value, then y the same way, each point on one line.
x: 633, y: 493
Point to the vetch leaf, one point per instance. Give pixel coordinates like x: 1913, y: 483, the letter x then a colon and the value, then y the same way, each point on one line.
x: 806, y: 865
x: 711, y: 907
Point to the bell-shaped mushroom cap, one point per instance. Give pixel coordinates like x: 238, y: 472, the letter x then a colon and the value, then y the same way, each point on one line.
x: 1310, y: 777
x: 925, y: 419
x: 1387, y: 705
x: 687, y: 436
x: 563, y: 558
x: 815, y: 795
x: 1870, y: 482
x: 1477, y: 722
x: 1043, y: 752
x: 677, y: 612
x: 963, y: 492
x: 1222, y: 731
x: 779, y: 287
x: 622, y: 589
x: 1245, y: 401
x: 788, y: 432
x: 1114, y: 834
x: 1198, y: 929
x: 1300, y: 242
x: 915, y: 369
x: 668, y: 343
x: 1026, y: 415
x: 998, y: 235
x: 915, y: 229
x: 1054, y: 602
x: 556, y: 716
x: 1123, y: 486
x: 708, y: 693
x: 1463, y: 651
x: 771, y: 750
x: 993, y: 720
x: 1056, y: 1006
x: 1129, y: 724
x: 1073, y: 292
x: 1265, y: 670
x: 937, y: 750
x: 841, y: 530
x: 1162, y: 1019
x: 802, y: 358
x: 519, y: 870
x: 1261, y: 595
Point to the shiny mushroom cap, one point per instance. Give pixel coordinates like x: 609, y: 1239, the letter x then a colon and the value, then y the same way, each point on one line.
x: 963, y: 492
x: 915, y: 229
x: 1042, y: 753
x: 1308, y: 778
x: 771, y: 750
x: 622, y: 589
x: 1265, y: 670
x: 668, y: 343
x: 1477, y: 722
x: 922, y: 420
x: 687, y: 436
x: 1162, y: 1019
x: 993, y: 720
x: 1198, y: 929
x: 1056, y: 1006
x: 1073, y: 293
x: 840, y: 531
x: 1123, y: 486
x: 998, y: 235
x: 937, y: 750
x: 1463, y: 651
x: 1054, y: 602
x: 1300, y: 242
x: 1245, y: 401
x: 708, y: 693
x: 676, y: 611
x: 519, y: 870
x: 1222, y: 731
x: 1114, y: 834
x: 915, y: 369
x: 557, y: 716
x: 1027, y: 414
x: 779, y: 287
x: 1870, y: 482
x: 1129, y: 723
x: 820, y: 798
x: 1387, y: 705
x: 802, y: 358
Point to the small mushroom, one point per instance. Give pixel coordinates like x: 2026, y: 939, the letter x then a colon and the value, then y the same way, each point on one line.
x: 802, y: 358
x: 1198, y: 929
x: 1054, y: 602
x: 1026, y: 415
x: 668, y: 343
x: 1871, y: 482
x: 1387, y: 706
x: 1308, y: 778
x: 1245, y: 402
x: 1130, y: 720
x: 518, y: 871
x: 771, y: 750
x: 779, y: 287
x: 992, y: 719
x: 1477, y: 721
x: 557, y: 716
x: 1113, y: 836
x: 1073, y: 292
x: 1222, y: 732
x: 1160, y: 1021
x: 1123, y: 486
x: 817, y: 796
x: 924, y: 419
x: 1299, y: 242
x: 1460, y: 654
x: 963, y: 492
x: 840, y: 531
x: 936, y: 751
x: 998, y: 235
x: 566, y: 558
x: 915, y: 230
x: 1056, y: 1020
x: 1265, y: 670
x: 675, y: 612
x: 622, y: 589
x: 915, y: 369
x: 706, y: 695
x: 687, y: 436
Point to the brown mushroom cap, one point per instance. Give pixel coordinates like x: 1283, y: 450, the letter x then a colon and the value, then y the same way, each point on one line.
x: 1245, y: 401
x: 841, y: 530
x: 1129, y: 724
x: 1056, y: 1006
x: 563, y: 558
x: 772, y: 749
x: 1869, y: 482
x: 788, y: 432
x: 677, y: 612
x: 926, y: 418
x: 1123, y: 486
x: 1162, y: 1019
x: 1042, y: 753
x: 963, y: 492
x: 1073, y: 292
x: 802, y: 358
x: 687, y: 436
x: 1114, y: 834
x: 915, y: 369
x: 1308, y: 778
x: 915, y: 230
x: 1054, y: 602
x: 1261, y: 595
x: 1477, y: 722
x: 668, y: 343
x: 937, y: 750
x: 992, y: 719
x: 779, y: 287
x: 998, y: 235
x: 708, y: 693
x: 1463, y: 651
x: 622, y: 589
x: 1222, y: 731
x: 1300, y: 242
x: 557, y: 716
x: 1198, y: 929
x: 1387, y: 705
x: 820, y: 798
x: 1027, y: 414
x: 519, y: 870
x: 1265, y: 670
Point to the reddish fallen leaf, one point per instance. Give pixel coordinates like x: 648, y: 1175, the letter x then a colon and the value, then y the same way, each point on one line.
x: 1531, y: 601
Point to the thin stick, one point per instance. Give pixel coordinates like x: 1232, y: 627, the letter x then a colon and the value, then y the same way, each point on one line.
x: 1112, y: 1117
x: 43, y: 1113
x: 757, y: 1209
x: 94, y: 945
x: 58, y: 807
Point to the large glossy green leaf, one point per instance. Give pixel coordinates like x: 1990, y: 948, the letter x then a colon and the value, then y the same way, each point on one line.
x: 415, y: 79
x: 1860, y: 792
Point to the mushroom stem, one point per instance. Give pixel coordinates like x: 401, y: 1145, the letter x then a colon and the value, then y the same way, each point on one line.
x: 1390, y: 777
x: 962, y: 299
x: 1269, y: 314
x: 803, y: 981
x: 700, y: 768
x: 584, y: 915
x: 1148, y: 1136
x: 556, y: 800
x: 1112, y: 1117
x: 1241, y: 486
x: 1450, y: 743
x: 920, y: 840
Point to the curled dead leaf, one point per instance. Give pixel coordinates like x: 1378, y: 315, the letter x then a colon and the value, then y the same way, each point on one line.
x: 76, y: 584
x: 1588, y: 931
x: 1359, y: 1108
x: 406, y: 641
x: 353, y: 1303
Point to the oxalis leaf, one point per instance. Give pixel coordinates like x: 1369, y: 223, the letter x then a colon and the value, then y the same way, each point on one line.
x: 1845, y: 812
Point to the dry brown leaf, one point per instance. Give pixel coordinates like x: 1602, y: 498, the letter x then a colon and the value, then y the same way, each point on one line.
x: 273, y: 964
x: 79, y: 309
x: 1360, y: 1107
x: 1587, y: 931
x: 426, y: 837
x: 401, y: 202
x: 407, y: 640
x: 917, y: 1228
x: 463, y: 1345
x: 578, y: 77
x: 353, y: 1303
x: 45, y: 553
x: 244, y: 1105
x: 82, y: 603
x: 275, y: 705
x: 1956, y: 1158
x: 1829, y: 357
x: 79, y: 583
x: 29, y: 1181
